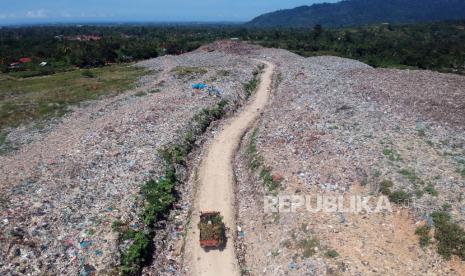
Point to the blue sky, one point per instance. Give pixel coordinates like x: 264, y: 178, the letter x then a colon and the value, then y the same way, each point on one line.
x: 28, y: 11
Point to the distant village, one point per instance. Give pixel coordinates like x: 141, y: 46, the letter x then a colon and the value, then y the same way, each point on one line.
x: 79, y: 37
x: 21, y: 62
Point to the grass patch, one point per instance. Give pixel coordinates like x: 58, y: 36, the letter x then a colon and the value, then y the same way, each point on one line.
x: 37, y: 98
x: 183, y: 71
x: 154, y: 91
x: 392, y: 155
x: 411, y: 176
x: 449, y: 235
x: 255, y: 160
x: 309, y: 247
x: 431, y: 190
x: 332, y: 253
x: 141, y: 94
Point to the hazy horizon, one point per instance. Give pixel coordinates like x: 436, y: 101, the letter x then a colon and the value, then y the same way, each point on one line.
x: 140, y: 11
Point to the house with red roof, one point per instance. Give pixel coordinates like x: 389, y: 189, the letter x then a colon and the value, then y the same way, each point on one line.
x: 25, y: 60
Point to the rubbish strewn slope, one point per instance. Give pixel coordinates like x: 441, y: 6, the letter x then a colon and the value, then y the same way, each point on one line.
x: 61, y: 193
x: 338, y: 127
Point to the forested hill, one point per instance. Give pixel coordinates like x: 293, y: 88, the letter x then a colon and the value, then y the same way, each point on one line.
x: 361, y: 12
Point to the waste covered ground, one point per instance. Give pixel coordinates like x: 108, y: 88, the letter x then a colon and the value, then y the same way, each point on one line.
x: 62, y: 192
x: 338, y: 127
x: 333, y: 126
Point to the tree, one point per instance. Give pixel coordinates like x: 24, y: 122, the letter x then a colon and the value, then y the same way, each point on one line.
x: 317, y: 31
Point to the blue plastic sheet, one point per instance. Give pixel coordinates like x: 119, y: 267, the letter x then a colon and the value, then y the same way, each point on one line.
x: 199, y: 86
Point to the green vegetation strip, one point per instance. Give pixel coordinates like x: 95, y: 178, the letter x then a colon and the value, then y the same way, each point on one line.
x: 159, y: 195
x: 251, y: 86
x: 256, y: 163
x: 37, y: 98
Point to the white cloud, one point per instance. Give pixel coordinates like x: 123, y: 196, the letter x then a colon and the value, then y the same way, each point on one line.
x: 37, y: 14
x: 4, y: 16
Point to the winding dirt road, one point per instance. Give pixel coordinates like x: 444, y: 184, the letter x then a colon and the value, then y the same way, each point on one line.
x: 216, y: 186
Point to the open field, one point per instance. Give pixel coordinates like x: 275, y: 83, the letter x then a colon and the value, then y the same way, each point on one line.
x: 26, y: 99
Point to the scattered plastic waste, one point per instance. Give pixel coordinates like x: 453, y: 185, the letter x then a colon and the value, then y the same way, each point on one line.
x: 85, y: 244
x: 199, y: 86
x: 292, y: 265
x: 211, y: 90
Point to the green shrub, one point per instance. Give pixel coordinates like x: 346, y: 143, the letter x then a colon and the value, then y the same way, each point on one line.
x: 423, y: 230
x: 450, y: 235
x: 399, y: 197
x: 431, y: 190
x: 251, y: 86
x: 267, y: 179
x: 332, y: 254
x: 140, y: 94
x: 203, y: 119
x: 385, y: 187
x: 159, y: 196
x: 138, y: 254
x: 424, y: 233
x: 446, y: 207
x: 425, y: 241
x: 175, y: 154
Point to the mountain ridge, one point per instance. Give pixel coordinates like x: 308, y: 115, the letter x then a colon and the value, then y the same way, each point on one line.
x: 362, y: 12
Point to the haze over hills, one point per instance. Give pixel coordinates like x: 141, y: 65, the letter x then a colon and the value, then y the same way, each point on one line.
x: 360, y: 12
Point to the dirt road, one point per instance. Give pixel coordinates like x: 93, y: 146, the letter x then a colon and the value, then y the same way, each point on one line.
x: 216, y: 186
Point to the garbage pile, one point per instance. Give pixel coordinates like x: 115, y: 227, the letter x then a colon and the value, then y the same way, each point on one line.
x: 62, y: 193
x: 339, y: 127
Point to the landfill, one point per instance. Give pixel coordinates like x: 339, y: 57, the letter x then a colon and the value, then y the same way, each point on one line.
x: 333, y: 125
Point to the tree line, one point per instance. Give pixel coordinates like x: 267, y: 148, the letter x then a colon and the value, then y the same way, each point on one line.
x: 435, y: 46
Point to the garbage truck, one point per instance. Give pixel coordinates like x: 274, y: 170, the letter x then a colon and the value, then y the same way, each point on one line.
x: 212, y: 230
